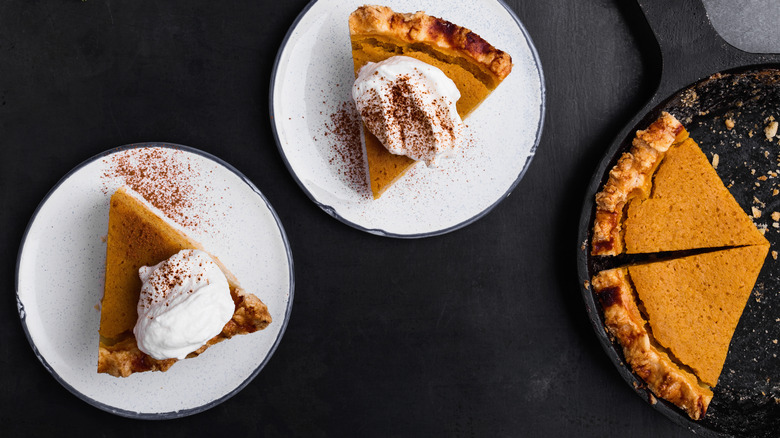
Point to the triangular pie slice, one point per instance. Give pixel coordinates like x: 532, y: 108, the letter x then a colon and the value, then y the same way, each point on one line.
x: 476, y: 67
x: 688, y: 208
x: 694, y: 303
x: 691, y: 307
x: 664, y: 195
x: 139, y: 236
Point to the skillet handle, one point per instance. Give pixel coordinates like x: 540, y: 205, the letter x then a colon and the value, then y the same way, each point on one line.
x: 690, y: 47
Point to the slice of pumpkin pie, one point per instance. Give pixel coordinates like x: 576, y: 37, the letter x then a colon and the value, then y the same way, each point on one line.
x: 476, y: 67
x: 137, y: 237
x: 688, y: 208
x: 664, y: 195
x: 694, y: 303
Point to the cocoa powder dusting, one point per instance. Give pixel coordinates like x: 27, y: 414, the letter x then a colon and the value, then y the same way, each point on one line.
x: 162, y: 178
x: 413, y: 121
x: 346, y: 152
x: 344, y: 148
x: 172, y: 273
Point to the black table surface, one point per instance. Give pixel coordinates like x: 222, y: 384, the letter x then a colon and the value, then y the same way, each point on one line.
x: 480, y: 332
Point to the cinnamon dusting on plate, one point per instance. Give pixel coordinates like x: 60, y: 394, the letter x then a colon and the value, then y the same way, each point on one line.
x: 346, y: 148
x: 162, y: 176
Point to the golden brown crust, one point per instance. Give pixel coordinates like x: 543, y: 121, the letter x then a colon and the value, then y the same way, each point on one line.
x: 124, y: 358
x: 422, y: 28
x: 624, y: 321
x: 631, y: 176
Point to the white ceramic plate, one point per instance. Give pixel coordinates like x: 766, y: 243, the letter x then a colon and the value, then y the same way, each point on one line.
x: 313, y: 76
x: 60, y: 275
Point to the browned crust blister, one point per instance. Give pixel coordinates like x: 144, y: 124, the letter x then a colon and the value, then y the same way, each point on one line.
x: 124, y: 358
x: 422, y: 28
x: 631, y: 176
x: 625, y: 322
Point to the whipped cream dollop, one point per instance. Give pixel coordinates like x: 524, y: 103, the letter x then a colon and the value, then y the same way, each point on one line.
x: 185, y: 301
x: 410, y: 107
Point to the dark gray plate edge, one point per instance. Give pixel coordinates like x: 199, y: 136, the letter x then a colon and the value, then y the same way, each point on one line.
x: 379, y: 232
x: 171, y: 414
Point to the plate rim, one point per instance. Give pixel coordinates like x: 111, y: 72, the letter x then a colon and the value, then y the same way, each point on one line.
x: 168, y: 414
x: 330, y: 210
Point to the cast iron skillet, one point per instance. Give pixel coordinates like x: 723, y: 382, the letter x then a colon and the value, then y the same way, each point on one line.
x: 705, y: 81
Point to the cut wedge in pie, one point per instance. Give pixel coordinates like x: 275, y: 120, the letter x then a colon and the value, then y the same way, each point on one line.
x: 139, y: 236
x: 674, y: 318
x: 691, y: 308
x: 477, y: 68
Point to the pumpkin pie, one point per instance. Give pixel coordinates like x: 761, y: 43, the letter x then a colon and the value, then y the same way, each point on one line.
x: 674, y: 318
x: 689, y: 208
x: 694, y: 303
x: 139, y: 236
x: 476, y: 67
x: 664, y: 195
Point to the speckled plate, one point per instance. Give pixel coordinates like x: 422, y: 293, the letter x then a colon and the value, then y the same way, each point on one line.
x: 60, y: 275
x: 312, y: 83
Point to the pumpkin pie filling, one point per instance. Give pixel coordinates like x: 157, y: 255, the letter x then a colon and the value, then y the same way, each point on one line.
x: 693, y: 303
x: 688, y: 208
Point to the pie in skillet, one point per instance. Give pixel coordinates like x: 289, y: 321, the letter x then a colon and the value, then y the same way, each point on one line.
x: 476, y: 67
x: 138, y: 236
x: 675, y: 317
x: 689, y: 208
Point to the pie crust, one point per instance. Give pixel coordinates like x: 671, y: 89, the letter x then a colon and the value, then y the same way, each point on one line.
x: 139, y: 236
x: 431, y: 31
x: 476, y: 67
x: 631, y: 177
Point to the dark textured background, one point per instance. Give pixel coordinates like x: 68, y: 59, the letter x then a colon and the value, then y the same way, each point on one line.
x: 481, y: 332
